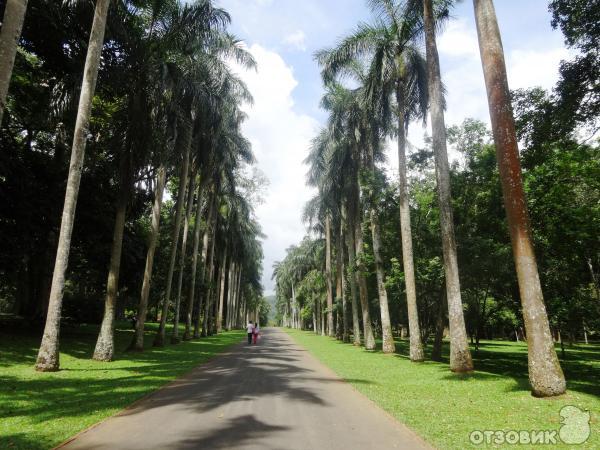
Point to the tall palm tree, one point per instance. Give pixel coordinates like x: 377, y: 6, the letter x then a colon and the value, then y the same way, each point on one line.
x: 328, y: 275
x: 187, y: 335
x: 397, y: 70
x: 460, y: 355
x: 197, y: 73
x: 183, y: 253
x: 334, y: 154
x: 186, y: 131
x: 138, y: 339
x: 154, y: 38
x: 545, y: 374
x: 48, y: 355
x: 350, y: 111
x: 10, y: 33
x: 351, y: 272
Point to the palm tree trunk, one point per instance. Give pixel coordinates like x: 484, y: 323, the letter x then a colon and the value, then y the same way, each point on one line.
x: 237, y: 299
x: 293, y: 306
x: 182, y: 256
x: 48, y: 355
x: 229, y: 294
x: 210, y: 266
x: 388, y: 345
x: 203, y: 266
x: 436, y: 351
x: 338, y: 288
x: 223, y: 272
x: 322, y: 318
x: 330, y: 330
x: 350, y: 245
x: 362, y: 285
x: 187, y: 335
x: 340, y: 266
x: 416, y: 346
x: 460, y: 356
x: 12, y: 23
x: 138, y: 338
x: 545, y: 374
x: 159, y: 339
x: 345, y: 324
x: 105, y: 344
x: 314, y: 316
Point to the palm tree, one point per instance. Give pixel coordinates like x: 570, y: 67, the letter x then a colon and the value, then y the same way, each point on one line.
x: 545, y: 374
x: 186, y: 130
x: 396, y: 69
x: 138, y: 339
x: 12, y: 23
x: 48, y: 355
x: 151, y: 49
x: 196, y: 73
x: 351, y: 269
x: 351, y: 111
x: 330, y: 330
x: 187, y: 335
x: 460, y: 356
x: 334, y: 154
x: 183, y: 253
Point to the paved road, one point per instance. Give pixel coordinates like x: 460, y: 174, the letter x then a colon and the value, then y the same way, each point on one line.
x: 271, y: 396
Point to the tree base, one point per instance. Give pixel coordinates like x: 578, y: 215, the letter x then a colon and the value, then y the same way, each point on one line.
x: 102, y: 357
x: 460, y: 371
x: 44, y: 368
x: 175, y: 340
x: 159, y: 341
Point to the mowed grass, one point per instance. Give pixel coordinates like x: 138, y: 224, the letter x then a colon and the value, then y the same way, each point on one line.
x: 40, y: 410
x: 444, y: 407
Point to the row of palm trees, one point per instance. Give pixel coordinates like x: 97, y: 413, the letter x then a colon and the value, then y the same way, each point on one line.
x: 183, y: 129
x: 395, y: 82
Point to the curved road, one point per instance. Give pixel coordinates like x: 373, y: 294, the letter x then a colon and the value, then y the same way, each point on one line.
x: 274, y: 395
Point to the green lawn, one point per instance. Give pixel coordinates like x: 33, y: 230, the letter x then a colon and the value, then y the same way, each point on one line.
x: 40, y: 410
x: 444, y: 408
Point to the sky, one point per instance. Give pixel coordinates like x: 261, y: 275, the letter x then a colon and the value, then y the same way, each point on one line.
x: 283, y: 36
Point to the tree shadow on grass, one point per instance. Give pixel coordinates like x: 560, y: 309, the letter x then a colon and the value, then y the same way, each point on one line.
x: 509, y: 359
x: 84, y: 388
x: 21, y: 441
x: 581, y: 365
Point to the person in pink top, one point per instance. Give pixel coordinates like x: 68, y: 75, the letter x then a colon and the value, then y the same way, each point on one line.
x: 255, y: 333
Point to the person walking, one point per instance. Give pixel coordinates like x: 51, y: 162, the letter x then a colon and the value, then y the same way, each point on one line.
x: 255, y: 333
x: 250, y: 331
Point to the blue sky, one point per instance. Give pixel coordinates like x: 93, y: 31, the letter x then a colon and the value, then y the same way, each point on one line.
x: 283, y: 36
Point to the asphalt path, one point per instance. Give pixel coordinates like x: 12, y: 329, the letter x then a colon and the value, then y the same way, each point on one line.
x: 273, y: 395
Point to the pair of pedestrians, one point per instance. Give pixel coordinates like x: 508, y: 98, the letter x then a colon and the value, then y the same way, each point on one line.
x: 253, y: 331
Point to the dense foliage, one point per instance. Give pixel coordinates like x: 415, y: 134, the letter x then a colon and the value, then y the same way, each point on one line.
x: 560, y: 157
x: 166, y: 101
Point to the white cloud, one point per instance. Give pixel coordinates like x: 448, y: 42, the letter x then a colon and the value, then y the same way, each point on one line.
x: 296, y: 40
x: 280, y: 137
x: 528, y: 68
x: 462, y: 76
x: 458, y: 40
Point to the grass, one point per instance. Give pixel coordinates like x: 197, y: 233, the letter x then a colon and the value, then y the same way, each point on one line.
x: 40, y: 410
x: 444, y: 408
